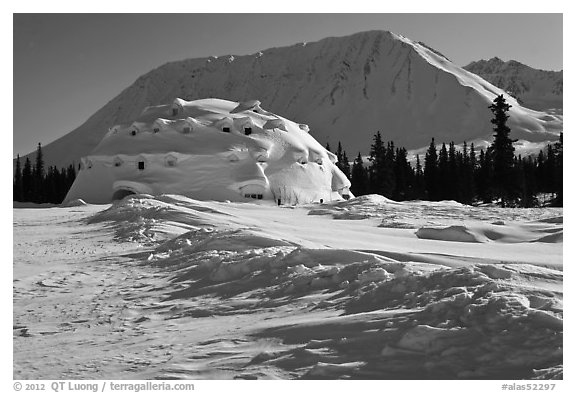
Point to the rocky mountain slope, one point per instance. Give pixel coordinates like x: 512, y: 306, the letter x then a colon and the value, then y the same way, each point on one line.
x: 344, y: 88
x: 535, y: 89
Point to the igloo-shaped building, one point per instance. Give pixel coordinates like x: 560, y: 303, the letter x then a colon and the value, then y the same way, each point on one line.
x: 210, y: 149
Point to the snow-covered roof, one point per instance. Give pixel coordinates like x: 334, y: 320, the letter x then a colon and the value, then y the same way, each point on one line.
x: 275, y: 123
x: 223, y: 122
x: 245, y: 106
x: 243, y: 122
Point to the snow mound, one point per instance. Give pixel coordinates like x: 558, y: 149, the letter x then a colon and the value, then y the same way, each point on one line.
x: 454, y: 233
x: 552, y: 220
x: 553, y: 238
x: 359, y: 208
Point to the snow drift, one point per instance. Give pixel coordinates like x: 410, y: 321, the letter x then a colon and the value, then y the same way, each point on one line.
x: 203, y: 289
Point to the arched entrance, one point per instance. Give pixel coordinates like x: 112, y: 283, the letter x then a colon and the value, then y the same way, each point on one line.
x: 121, y: 194
x: 123, y: 188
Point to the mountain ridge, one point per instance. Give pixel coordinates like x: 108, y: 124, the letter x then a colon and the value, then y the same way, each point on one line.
x: 535, y: 88
x: 345, y: 88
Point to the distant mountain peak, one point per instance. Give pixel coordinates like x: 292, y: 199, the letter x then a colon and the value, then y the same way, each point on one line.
x: 345, y: 88
x: 536, y: 89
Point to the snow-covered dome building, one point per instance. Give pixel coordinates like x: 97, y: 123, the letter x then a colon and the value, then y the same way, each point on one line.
x: 210, y: 149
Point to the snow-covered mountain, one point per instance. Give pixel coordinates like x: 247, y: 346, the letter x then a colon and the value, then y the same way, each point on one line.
x: 344, y: 88
x: 536, y: 89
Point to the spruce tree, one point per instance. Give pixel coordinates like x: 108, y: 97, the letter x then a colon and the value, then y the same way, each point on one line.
x: 27, y: 181
x: 431, y: 172
x: 419, y: 185
x: 549, y: 169
x: 502, y: 150
x: 339, y: 155
x: 467, y: 187
x: 484, y: 176
x: 443, y: 174
x: 345, y: 167
x: 523, y: 170
x: 39, y: 174
x: 17, y: 189
x: 359, y: 177
x: 453, y: 185
x: 377, y: 170
x: 541, y: 172
x: 402, y: 175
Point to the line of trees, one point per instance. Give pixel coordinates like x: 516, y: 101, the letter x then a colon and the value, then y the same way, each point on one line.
x: 447, y: 173
x: 35, y: 183
x: 463, y: 175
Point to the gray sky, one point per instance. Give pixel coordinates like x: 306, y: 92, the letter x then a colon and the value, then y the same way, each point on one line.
x: 70, y: 65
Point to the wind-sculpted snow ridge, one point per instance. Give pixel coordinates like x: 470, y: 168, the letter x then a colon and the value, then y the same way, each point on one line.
x: 257, y: 292
x: 469, y: 224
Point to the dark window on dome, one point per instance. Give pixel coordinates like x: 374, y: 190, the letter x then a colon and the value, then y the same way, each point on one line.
x: 253, y: 196
x: 186, y: 130
x: 156, y: 130
x: 141, y: 165
x: 247, y: 130
x: 174, y: 111
x: 225, y: 129
x: 133, y: 132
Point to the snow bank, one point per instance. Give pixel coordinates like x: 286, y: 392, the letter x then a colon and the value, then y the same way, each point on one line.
x: 262, y: 292
x: 456, y: 233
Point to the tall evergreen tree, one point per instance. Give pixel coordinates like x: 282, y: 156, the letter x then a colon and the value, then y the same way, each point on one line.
x: 454, y: 163
x: 39, y: 174
x: 502, y: 150
x: 549, y: 169
x: 419, y: 185
x: 376, y: 170
x: 443, y: 174
x: 484, y: 176
x: 402, y: 175
x: 27, y: 181
x: 388, y: 172
x: 524, y: 173
x: 359, y: 177
x: 467, y: 186
x: 339, y: 154
x: 431, y: 172
x: 345, y: 167
x: 18, y: 188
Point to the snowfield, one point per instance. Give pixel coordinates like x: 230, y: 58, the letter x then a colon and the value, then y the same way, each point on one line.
x: 174, y: 288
